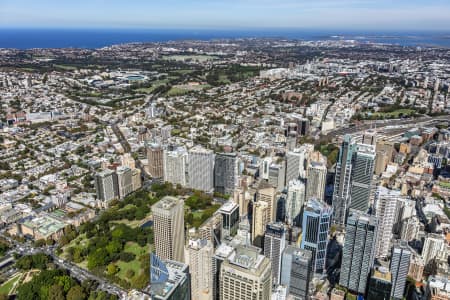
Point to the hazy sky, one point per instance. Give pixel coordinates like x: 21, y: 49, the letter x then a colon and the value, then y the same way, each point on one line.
x: 229, y: 14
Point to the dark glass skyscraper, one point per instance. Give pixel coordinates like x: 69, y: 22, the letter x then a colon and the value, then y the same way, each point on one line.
x: 359, y: 251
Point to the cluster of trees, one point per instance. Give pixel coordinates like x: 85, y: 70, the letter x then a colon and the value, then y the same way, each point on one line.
x: 168, y: 189
x: 330, y: 150
x: 36, y: 261
x: 107, y: 240
x: 4, y: 247
x: 58, y: 285
x: 202, y: 203
x: 234, y: 73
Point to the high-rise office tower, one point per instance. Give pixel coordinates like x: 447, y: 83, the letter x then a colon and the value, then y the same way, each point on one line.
x: 343, y: 178
x: 317, y: 177
x: 125, y: 181
x: 201, y: 169
x: 175, y: 170
x: 223, y: 252
x: 362, y: 174
x: 294, y: 201
x: 400, y: 260
x: 296, y: 272
x: 433, y: 248
x: 386, y: 206
x: 274, y: 244
x: 268, y: 195
x: 359, y: 251
x: 136, y: 181
x: 303, y: 127
x: 260, y: 219
x: 155, y: 157
x: 369, y: 137
x: 168, y: 219
x: 316, y: 226
x: 169, y: 280
x: 246, y: 275
x: 296, y: 162
x: 230, y: 218
x: 277, y: 175
x: 225, y: 173
x: 200, y: 254
x: 384, y: 153
x: 106, y: 186
x: 380, y: 284
x: 264, y: 168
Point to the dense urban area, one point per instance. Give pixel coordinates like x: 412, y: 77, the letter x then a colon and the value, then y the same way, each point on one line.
x: 263, y: 169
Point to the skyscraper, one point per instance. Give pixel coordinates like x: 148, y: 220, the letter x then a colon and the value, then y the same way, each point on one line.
x: 400, y: 260
x: 260, y: 219
x: 246, y: 275
x: 386, y: 206
x: 168, y: 218
x: 201, y: 169
x: 268, y: 195
x: 294, y: 201
x: 296, y: 271
x: 362, y: 174
x: 175, y: 162
x: 380, y: 284
x: 225, y: 173
x: 316, y: 225
x: 315, y: 184
x: 125, y: 181
x: 230, y: 218
x: 200, y: 253
x: 136, y: 181
x: 155, y: 157
x: 106, y: 186
x: 296, y: 162
x: 169, y: 280
x: 342, y: 183
x: 277, y: 175
x: 274, y: 244
x: 359, y: 251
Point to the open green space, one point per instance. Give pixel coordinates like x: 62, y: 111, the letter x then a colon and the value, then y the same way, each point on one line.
x: 6, y: 287
x: 186, y: 58
x: 65, y: 67
x: 396, y: 113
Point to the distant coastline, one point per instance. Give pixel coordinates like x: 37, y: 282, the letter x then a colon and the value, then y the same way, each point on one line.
x: 97, y: 38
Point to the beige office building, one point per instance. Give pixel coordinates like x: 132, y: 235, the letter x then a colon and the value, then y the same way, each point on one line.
x: 261, y: 217
x: 200, y: 253
x: 246, y: 275
x: 268, y: 195
x: 168, y: 219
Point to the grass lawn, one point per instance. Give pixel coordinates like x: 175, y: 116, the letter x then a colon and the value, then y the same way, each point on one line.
x: 199, y: 58
x: 134, y: 265
x: 396, y: 113
x: 132, y: 224
x: 175, y: 91
x: 64, y: 67
x: 7, y: 286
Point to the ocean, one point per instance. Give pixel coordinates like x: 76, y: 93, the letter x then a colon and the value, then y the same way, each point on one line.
x: 97, y: 38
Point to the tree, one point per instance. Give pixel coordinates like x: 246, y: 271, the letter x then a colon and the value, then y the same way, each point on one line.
x: 112, y: 269
x: 56, y: 292
x: 76, y: 293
